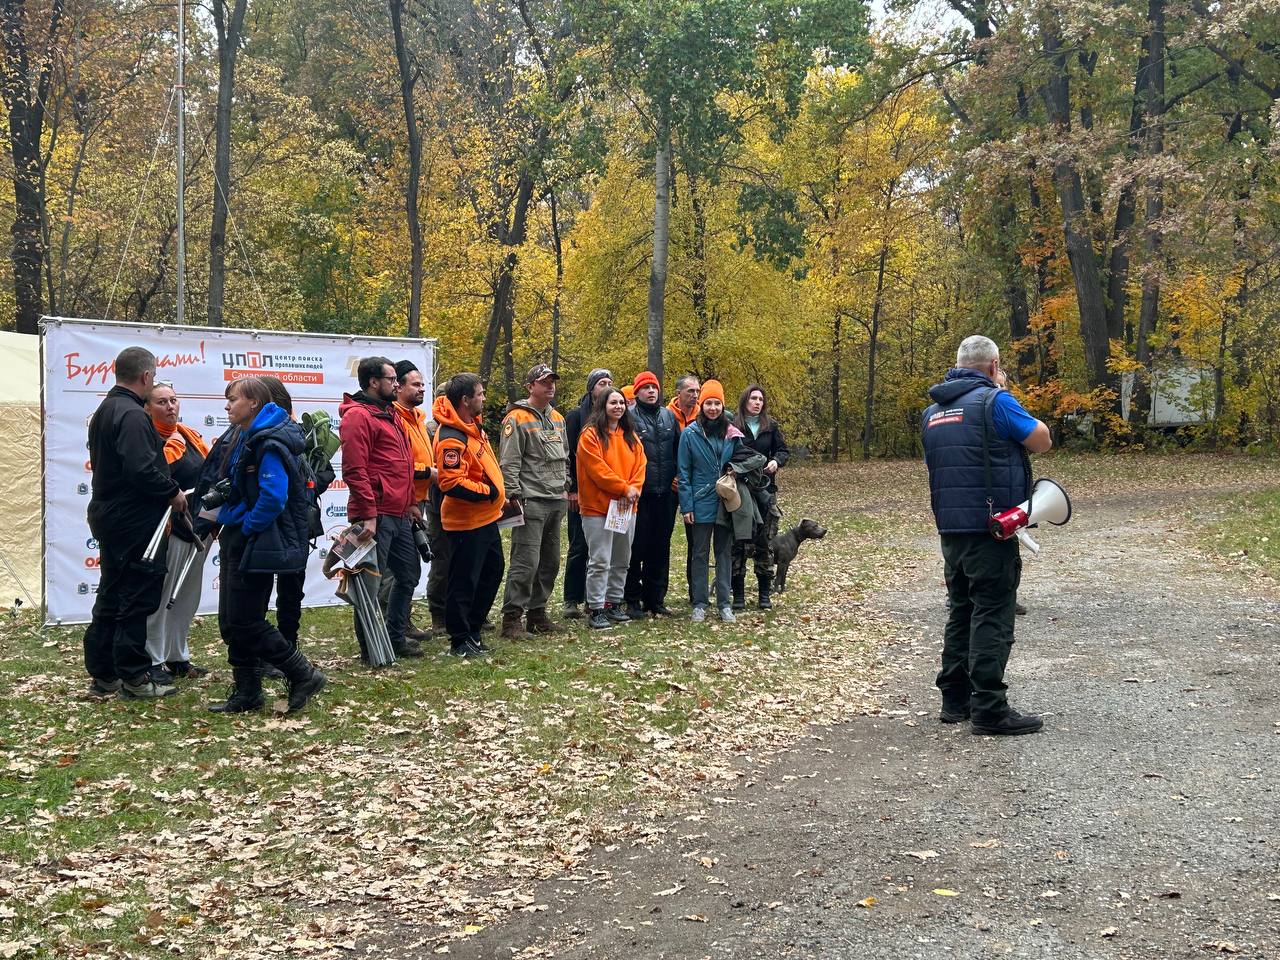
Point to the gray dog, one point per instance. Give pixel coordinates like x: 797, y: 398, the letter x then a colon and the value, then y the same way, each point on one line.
x: 787, y: 545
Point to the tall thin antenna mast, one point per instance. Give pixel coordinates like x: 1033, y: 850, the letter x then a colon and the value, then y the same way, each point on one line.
x: 182, y: 161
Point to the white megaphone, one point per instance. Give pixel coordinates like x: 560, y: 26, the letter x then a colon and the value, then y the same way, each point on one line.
x: 1049, y: 503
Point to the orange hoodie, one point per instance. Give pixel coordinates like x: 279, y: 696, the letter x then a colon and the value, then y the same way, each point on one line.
x: 414, y: 424
x: 681, y: 419
x: 604, y: 475
x: 469, y: 475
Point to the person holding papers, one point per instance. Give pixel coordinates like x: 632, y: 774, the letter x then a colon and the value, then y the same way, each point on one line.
x: 610, y: 467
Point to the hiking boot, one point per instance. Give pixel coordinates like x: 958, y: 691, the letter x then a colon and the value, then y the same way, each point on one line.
x: 245, y: 693
x: 616, y: 613
x: 763, y: 601
x: 953, y: 713
x: 305, y: 681
x: 103, y: 689
x: 407, y: 650
x: 598, y: 620
x: 1012, y: 724
x: 414, y: 633
x: 739, y: 591
x: 726, y: 615
x: 572, y: 611
x: 635, y: 611
x: 699, y: 614
x: 661, y: 610
x: 513, y: 626
x: 537, y: 621
x: 466, y: 648
x: 1019, y: 609
x: 145, y: 688
x: 438, y: 628
x: 186, y: 670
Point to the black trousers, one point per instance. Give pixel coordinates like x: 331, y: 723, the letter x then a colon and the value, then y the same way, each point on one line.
x: 289, y: 593
x: 476, y: 566
x: 982, y: 589
x: 650, y: 570
x: 242, y: 609
x: 575, y: 564
x: 129, y: 590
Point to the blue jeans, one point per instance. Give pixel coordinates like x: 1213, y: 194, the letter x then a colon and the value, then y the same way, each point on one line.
x: 397, y: 556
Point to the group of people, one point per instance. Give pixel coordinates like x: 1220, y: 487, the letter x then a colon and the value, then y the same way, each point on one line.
x: 620, y: 467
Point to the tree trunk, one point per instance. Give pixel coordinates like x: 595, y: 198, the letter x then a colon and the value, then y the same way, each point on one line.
x: 1126, y: 207
x: 25, y: 104
x: 1153, y: 239
x: 1090, y: 302
x: 408, y: 79
x: 868, y: 420
x: 835, y: 387
x: 558, y: 246
x: 228, y: 29
x: 501, y: 313
x: 661, y: 238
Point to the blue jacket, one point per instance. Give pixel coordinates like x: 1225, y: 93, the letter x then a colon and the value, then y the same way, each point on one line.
x: 698, y: 467
x: 271, y: 503
x: 952, y: 431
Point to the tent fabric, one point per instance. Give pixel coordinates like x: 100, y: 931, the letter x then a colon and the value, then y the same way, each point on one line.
x: 20, y: 467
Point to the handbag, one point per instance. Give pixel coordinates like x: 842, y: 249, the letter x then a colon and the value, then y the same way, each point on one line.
x: 727, y: 490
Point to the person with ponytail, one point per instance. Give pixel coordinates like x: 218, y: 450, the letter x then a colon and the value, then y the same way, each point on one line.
x: 169, y: 628
x: 265, y: 521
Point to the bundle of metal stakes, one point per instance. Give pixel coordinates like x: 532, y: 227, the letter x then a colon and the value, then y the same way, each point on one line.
x: 354, y: 564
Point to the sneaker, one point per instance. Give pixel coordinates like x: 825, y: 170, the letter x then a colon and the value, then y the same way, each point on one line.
x: 1012, y: 724
x: 599, y: 620
x: 726, y: 615
x: 616, y: 613
x: 146, y: 689
x: 635, y: 611
x: 572, y: 611
x: 699, y: 614
x: 186, y: 670
x: 953, y: 714
x: 161, y: 675
x: 1019, y: 609
x: 467, y: 649
x: 103, y: 689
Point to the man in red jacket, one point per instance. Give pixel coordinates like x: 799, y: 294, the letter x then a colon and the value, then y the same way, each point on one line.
x: 377, y: 466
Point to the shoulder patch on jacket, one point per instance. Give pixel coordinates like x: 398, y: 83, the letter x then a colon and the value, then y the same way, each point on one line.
x: 509, y: 427
x: 452, y: 458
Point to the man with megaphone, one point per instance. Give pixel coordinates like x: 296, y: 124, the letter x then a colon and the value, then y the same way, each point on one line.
x: 976, y: 439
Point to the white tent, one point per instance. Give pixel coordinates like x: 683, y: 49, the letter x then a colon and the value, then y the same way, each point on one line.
x: 20, y: 470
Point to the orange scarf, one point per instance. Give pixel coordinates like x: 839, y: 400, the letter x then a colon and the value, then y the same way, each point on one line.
x: 176, y: 438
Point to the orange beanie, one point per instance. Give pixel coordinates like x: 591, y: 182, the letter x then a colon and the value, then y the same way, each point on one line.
x: 711, y: 390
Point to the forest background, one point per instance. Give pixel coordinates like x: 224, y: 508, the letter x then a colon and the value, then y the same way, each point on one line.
x: 802, y: 193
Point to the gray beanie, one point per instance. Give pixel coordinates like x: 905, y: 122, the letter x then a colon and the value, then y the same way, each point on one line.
x: 595, y: 376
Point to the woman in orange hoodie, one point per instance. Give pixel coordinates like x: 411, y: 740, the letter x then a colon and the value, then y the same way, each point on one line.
x: 611, y: 464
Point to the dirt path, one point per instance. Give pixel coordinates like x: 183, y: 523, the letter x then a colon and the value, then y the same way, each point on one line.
x: 1143, y: 823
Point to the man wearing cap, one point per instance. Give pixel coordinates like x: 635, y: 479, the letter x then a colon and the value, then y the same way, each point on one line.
x: 535, y: 470
x: 649, y: 573
x: 575, y: 565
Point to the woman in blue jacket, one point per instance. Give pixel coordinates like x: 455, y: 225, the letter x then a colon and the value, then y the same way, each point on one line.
x: 265, y: 531
x: 706, y: 447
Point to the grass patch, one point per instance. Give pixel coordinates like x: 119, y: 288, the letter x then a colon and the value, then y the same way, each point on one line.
x: 1244, y: 531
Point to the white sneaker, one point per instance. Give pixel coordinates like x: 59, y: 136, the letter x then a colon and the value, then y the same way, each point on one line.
x: 726, y: 615
x: 699, y: 614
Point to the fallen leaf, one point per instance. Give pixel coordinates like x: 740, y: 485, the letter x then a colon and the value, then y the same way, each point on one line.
x: 1222, y: 946
x: 670, y: 891
x: 695, y: 917
x: 866, y: 903
x: 1108, y: 932
x: 472, y: 929
x: 944, y: 892
x: 923, y: 855
x: 985, y: 844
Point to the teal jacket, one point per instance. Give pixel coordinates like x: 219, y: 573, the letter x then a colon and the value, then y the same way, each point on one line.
x: 699, y: 465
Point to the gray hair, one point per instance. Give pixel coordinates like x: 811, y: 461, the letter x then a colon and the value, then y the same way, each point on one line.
x: 976, y: 351
x: 684, y: 381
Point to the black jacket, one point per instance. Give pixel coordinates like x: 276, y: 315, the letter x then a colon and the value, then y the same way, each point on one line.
x: 658, y: 431
x: 573, y: 422
x: 770, y: 442
x: 131, y: 481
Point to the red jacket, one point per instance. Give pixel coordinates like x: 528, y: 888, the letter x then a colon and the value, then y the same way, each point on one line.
x: 377, y: 465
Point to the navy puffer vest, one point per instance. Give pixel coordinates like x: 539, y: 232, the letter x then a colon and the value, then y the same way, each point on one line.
x: 952, y: 433
x: 283, y: 547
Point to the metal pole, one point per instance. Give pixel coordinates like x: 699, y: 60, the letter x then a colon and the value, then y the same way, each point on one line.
x: 182, y: 160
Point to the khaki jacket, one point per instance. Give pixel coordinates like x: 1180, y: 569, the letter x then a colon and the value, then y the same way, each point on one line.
x: 533, y: 453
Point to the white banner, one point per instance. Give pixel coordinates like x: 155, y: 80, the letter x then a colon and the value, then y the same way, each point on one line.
x: 76, y: 373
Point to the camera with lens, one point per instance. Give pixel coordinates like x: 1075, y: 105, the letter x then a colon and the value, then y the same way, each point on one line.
x: 217, y: 495
x: 422, y: 542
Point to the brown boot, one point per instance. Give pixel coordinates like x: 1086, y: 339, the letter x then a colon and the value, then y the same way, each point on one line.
x: 413, y: 633
x: 512, y: 628
x: 539, y: 622
x: 438, y: 628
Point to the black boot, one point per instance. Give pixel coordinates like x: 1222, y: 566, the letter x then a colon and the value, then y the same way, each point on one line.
x: 246, y: 692
x: 765, y: 582
x: 739, y: 591
x: 305, y: 681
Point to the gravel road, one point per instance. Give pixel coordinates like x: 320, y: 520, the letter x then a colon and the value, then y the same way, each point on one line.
x: 1144, y: 822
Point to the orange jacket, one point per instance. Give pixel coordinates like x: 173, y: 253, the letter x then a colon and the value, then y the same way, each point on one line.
x: 468, y: 472
x: 681, y: 420
x: 414, y: 424
x: 604, y: 475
